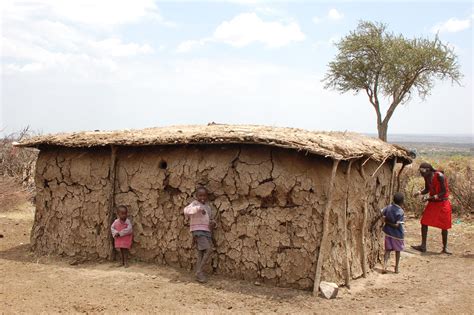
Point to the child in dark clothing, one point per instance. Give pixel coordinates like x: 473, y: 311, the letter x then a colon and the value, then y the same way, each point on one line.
x: 393, y: 230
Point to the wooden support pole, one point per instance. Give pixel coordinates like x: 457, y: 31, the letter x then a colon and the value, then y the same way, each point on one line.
x: 324, y: 241
x: 344, y: 222
x: 364, y: 224
x: 392, y: 180
x: 111, y: 205
x: 398, y: 176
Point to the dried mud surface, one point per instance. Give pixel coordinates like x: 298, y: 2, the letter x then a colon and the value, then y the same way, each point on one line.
x: 269, y: 205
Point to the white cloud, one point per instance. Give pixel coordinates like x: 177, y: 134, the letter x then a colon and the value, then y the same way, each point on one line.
x: 248, y: 28
x: 30, y: 67
x: 43, y: 35
x: 452, y: 25
x: 327, y: 43
x: 333, y: 14
x: 115, y: 48
x: 188, y: 45
x: 102, y: 13
x: 317, y: 20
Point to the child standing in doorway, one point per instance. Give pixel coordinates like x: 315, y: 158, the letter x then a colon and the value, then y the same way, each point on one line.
x: 201, y: 224
x: 122, y: 233
x: 393, y: 230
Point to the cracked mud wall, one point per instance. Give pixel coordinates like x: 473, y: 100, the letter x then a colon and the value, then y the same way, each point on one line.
x: 269, y: 204
x: 72, y: 203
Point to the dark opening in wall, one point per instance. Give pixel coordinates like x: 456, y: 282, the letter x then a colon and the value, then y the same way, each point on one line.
x: 163, y: 165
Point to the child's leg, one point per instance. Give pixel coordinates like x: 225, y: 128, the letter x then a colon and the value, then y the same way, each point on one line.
x: 397, y: 261
x: 386, y: 257
x: 122, y: 250
x: 125, y: 257
x: 199, y: 273
x: 199, y: 254
x: 205, y: 257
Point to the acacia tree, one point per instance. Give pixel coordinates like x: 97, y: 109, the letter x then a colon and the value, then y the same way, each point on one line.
x: 389, y: 68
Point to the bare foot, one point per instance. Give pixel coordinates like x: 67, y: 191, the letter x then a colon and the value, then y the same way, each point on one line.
x: 200, y: 277
x: 419, y: 248
x: 446, y: 251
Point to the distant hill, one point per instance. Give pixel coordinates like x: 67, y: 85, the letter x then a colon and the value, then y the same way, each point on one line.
x: 431, y: 145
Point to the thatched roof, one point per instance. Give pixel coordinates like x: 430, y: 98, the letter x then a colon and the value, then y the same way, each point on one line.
x: 336, y: 145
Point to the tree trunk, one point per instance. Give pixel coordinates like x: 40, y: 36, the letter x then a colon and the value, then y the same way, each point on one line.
x: 382, y: 128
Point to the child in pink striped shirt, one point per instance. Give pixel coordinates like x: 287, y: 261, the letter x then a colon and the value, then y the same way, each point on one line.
x: 201, y: 224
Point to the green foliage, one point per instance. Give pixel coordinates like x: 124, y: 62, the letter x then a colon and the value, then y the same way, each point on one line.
x: 383, y: 64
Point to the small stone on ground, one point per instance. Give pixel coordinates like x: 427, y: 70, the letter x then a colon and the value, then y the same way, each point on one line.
x: 328, y: 289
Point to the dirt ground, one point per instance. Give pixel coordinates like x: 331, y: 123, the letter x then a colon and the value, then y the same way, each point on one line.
x: 428, y: 283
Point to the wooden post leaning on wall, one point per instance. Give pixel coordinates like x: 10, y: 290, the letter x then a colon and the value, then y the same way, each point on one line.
x: 392, y: 180
x: 323, y: 244
x: 111, y: 205
x: 364, y: 222
x: 344, y: 222
x: 399, y: 174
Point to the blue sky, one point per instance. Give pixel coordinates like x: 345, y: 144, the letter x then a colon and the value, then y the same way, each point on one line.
x: 114, y: 64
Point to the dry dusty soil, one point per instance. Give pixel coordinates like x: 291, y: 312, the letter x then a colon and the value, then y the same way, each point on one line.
x: 428, y: 283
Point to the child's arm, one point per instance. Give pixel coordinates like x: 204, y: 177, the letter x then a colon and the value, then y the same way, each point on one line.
x: 400, y: 220
x: 212, y: 216
x: 128, y: 230
x: 395, y: 225
x: 192, y: 208
x: 378, y: 217
x: 113, y: 230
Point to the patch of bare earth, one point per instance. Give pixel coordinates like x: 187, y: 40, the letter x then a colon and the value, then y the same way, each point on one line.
x: 428, y: 283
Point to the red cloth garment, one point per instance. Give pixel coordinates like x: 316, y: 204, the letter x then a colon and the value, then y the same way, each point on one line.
x: 438, y: 213
x: 124, y: 240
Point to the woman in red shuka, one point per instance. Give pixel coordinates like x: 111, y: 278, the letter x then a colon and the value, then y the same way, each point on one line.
x: 437, y: 212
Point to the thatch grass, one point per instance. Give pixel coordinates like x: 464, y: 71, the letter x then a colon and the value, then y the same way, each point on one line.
x: 336, y: 145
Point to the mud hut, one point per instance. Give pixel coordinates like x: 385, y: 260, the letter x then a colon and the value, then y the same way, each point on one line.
x: 294, y: 207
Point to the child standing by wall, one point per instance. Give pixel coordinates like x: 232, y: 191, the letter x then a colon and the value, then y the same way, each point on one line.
x: 199, y: 213
x: 122, y: 233
x: 393, y: 229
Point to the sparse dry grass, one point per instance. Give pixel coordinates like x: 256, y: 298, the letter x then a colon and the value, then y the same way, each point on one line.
x: 458, y: 170
x: 17, y: 165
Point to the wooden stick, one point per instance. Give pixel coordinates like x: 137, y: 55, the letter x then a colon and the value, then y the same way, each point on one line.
x: 398, y: 176
x: 323, y: 245
x: 111, y: 205
x: 392, y: 182
x: 367, y: 160
x: 344, y: 221
x: 364, y: 224
x: 375, y: 172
